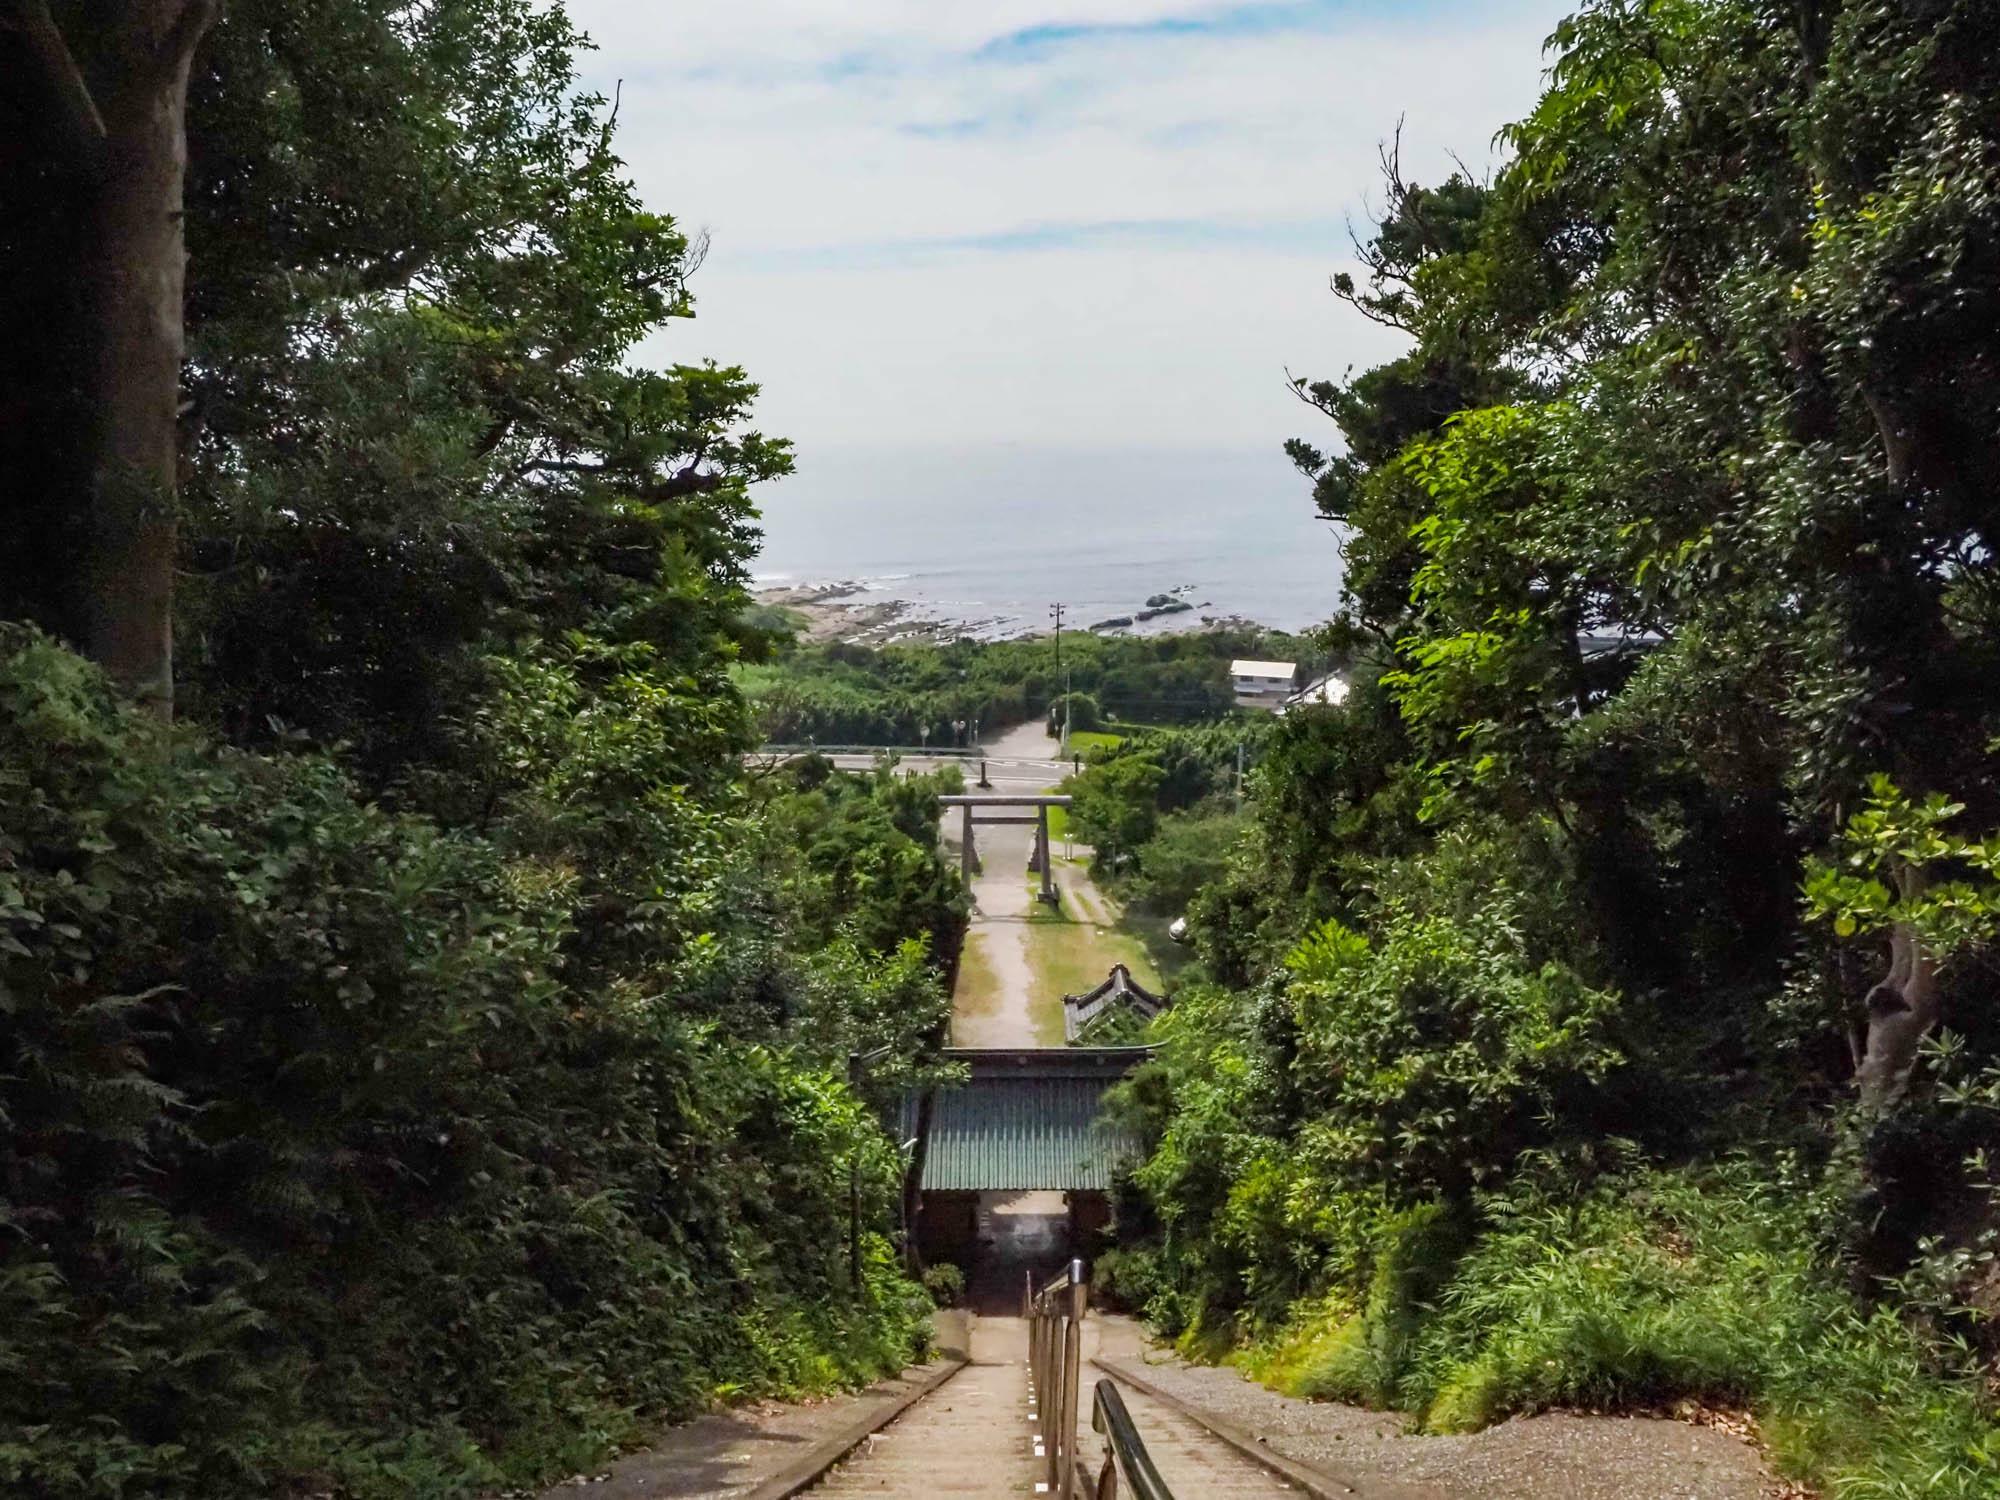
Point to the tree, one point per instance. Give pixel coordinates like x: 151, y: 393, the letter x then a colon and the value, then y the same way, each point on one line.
x: 1899, y: 869
x: 1114, y: 808
x: 106, y: 107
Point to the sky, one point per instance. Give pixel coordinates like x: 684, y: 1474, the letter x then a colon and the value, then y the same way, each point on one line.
x: 1041, y: 225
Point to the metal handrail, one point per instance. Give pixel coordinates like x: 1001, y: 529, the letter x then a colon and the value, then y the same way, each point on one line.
x: 1055, y: 1313
x: 1124, y: 1451
x: 1055, y: 1359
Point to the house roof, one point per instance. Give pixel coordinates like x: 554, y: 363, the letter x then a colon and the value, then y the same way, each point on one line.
x: 1248, y: 668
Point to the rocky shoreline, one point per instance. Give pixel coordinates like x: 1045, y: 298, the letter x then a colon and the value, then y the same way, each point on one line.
x: 850, y: 612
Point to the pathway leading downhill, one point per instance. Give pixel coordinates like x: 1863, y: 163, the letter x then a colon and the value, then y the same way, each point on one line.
x: 975, y: 1436
x: 1002, y: 902
x: 969, y: 1437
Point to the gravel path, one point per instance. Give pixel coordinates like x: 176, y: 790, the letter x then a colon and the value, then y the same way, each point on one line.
x: 1556, y: 1456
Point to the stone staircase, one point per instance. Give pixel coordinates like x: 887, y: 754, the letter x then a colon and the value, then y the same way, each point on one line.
x: 968, y: 1437
x: 975, y: 1435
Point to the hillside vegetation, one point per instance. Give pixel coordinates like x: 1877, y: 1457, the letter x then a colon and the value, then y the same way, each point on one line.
x: 423, y: 1064
x: 428, y: 1057
x: 1597, y: 1009
x: 898, y: 695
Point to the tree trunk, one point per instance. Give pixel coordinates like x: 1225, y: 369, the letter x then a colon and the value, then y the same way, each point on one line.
x: 119, y: 91
x: 1902, y: 1009
x: 139, y: 274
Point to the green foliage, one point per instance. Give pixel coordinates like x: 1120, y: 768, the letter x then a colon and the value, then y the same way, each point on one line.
x: 1656, y: 1285
x: 427, y: 1067
x: 1671, y: 588
x: 1112, y: 804
x: 946, y: 1284
x: 865, y: 854
x: 840, y: 694
x: 1365, y: 1357
x: 1882, y: 844
x: 1186, y: 851
x: 1429, y: 1059
x: 309, y: 1123
x: 1079, y: 712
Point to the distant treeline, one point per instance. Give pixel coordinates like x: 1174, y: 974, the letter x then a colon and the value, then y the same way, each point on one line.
x: 841, y: 694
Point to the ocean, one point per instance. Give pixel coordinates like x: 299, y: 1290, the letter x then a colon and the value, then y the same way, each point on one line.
x: 988, y: 539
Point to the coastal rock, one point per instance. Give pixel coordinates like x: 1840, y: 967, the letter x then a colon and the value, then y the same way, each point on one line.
x: 1116, y: 622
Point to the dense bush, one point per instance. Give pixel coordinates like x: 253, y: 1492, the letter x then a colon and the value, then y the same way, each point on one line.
x: 318, y: 1167
x: 427, y: 1065
x: 946, y: 1284
x: 1638, y: 1288
x: 1187, y: 851
x: 1596, y: 1010
x: 1074, y: 711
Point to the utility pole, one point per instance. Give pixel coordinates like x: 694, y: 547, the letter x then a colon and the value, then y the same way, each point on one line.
x: 1063, y: 743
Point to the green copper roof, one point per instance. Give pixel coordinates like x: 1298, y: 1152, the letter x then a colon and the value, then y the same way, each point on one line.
x: 1028, y: 1120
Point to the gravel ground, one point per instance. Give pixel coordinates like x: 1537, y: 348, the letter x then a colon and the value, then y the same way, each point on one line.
x: 1556, y: 1456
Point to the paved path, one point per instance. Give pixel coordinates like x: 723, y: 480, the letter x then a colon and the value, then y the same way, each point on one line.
x: 974, y: 1437
x: 971, y: 1437
x: 1003, y: 1013
x: 1190, y: 1459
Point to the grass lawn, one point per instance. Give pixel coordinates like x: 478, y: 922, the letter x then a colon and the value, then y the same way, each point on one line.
x: 1072, y: 946
x: 1095, y: 741
x: 1071, y: 957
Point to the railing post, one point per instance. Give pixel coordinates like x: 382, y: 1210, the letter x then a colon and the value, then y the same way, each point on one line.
x: 1078, y: 1301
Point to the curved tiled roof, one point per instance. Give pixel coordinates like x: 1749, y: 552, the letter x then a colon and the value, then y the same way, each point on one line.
x: 1028, y: 1120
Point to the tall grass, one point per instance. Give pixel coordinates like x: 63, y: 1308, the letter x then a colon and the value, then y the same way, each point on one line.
x: 1651, y: 1287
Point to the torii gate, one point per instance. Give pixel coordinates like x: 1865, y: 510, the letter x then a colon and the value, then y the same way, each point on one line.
x: 1041, y: 862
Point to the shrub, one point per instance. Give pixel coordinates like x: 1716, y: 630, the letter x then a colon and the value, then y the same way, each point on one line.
x: 1368, y: 1355
x: 1428, y: 1059
x: 1081, y: 710
x: 1186, y: 852
x: 1656, y: 1285
x: 946, y: 1284
x: 318, y: 1171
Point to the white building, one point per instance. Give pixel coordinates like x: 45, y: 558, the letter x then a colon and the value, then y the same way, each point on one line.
x: 1261, y: 684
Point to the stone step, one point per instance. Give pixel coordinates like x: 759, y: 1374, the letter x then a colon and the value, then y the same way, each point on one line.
x: 971, y: 1437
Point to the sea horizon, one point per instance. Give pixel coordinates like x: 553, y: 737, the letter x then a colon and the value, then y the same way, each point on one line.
x: 985, y: 541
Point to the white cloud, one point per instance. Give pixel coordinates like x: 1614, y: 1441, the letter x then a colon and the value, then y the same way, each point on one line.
x: 908, y: 228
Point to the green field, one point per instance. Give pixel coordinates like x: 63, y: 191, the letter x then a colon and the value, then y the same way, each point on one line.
x: 1094, y: 739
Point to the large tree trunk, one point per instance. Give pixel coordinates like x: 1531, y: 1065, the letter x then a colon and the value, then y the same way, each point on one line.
x: 1902, y: 1009
x: 139, y: 274
x: 117, y: 90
